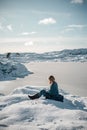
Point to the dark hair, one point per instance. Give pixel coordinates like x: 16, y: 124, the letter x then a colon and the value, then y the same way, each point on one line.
x: 52, y: 78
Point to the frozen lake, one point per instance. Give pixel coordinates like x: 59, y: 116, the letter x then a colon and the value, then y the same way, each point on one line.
x: 71, y: 76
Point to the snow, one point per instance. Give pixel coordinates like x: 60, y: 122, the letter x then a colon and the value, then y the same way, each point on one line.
x: 67, y: 55
x: 18, y: 112
x: 12, y: 70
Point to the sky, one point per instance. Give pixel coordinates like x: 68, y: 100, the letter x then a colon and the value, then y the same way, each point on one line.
x: 42, y: 25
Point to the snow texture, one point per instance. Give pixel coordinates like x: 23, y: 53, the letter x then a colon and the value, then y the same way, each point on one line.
x: 11, y: 71
x: 75, y: 55
x: 18, y: 112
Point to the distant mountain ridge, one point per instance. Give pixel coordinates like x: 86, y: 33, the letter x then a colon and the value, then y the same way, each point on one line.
x: 67, y: 55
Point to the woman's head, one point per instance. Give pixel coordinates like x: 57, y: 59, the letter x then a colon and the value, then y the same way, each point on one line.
x: 51, y: 79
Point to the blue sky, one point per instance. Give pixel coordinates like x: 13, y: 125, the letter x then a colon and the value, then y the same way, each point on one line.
x: 42, y: 25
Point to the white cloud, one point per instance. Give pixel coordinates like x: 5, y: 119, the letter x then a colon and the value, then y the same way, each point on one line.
x: 77, y: 1
x: 67, y: 30
x: 25, y: 33
x: 29, y: 43
x: 1, y: 27
x: 76, y: 26
x: 51, y: 13
x: 28, y: 33
x: 47, y: 21
x: 73, y: 27
x: 9, y: 27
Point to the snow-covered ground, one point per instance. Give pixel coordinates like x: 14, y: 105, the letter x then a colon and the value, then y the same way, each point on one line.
x: 71, y: 77
x: 75, y: 55
x: 11, y: 71
x: 18, y: 112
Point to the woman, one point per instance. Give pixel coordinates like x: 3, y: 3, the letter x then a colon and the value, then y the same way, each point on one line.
x: 53, y: 93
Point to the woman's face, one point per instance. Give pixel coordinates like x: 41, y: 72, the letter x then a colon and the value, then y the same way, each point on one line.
x: 50, y: 81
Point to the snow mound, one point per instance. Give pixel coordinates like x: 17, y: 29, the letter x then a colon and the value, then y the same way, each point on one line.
x: 17, y: 111
x: 11, y: 71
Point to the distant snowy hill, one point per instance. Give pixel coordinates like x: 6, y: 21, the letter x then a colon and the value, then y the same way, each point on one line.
x: 75, y: 55
x: 11, y: 71
x: 18, y: 112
